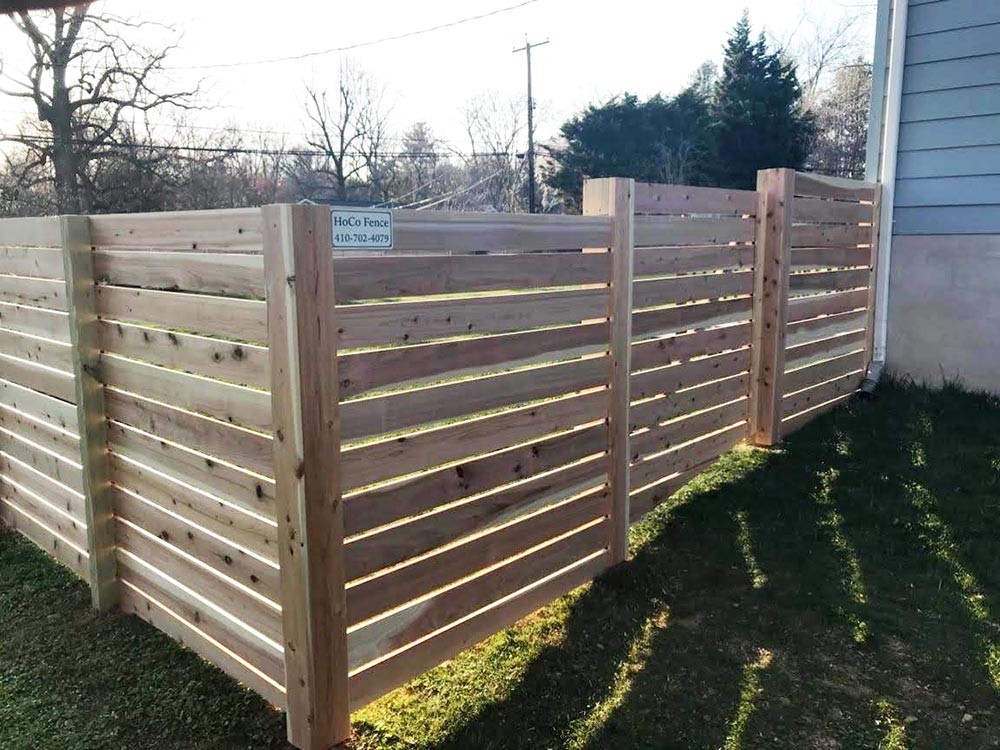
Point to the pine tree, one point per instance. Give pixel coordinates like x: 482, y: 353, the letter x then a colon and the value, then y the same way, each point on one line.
x: 758, y: 119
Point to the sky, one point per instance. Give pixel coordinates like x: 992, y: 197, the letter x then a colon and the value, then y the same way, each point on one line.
x: 596, y: 50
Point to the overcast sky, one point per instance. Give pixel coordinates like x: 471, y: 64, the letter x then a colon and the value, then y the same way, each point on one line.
x: 596, y: 50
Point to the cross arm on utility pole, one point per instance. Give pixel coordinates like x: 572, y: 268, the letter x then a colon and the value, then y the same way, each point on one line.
x: 532, y: 191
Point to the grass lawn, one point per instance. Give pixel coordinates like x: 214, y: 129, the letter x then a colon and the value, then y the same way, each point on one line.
x: 842, y: 592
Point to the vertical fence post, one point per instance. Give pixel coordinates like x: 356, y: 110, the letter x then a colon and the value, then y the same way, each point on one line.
x: 302, y: 331
x: 614, y: 197
x: 78, y: 269
x: 775, y: 191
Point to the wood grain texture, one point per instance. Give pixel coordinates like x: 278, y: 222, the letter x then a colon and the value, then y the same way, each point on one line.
x: 814, y: 351
x: 666, y: 231
x: 56, y: 383
x: 673, y: 378
x: 228, y: 230
x: 31, y: 232
x: 821, y: 186
x: 245, y: 320
x: 830, y: 235
x: 819, y: 394
x: 770, y: 302
x: 662, y: 351
x: 819, y: 372
x: 661, y: 261
x: 49, y: 294
x: 410, y: 322
x: 37, y: 350
x: 685, y: 457
x: 806, y: 308
x: 53, y: 411
x: 648, y: 414
x: 651, y: 198
x: 688, y: 317
x: 363, y: 371
x: 384, y: 459
x: 376, y: 277
x: 828, y: 281
x: 683, y: 289
x: 687, y: 428
x: 16, y: 517
x: 37, y: 321
x: 50, y: 464
x: 820, y: 211
x: 206, y: 273
x: 44, y: 262
x: 301, y: 317
x: 804, y: 258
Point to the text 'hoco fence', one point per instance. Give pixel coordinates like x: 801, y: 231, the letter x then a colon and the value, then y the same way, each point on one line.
x: 328, y: 474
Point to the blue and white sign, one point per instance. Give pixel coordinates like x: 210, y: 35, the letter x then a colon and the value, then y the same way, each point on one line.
x: 361, y: 228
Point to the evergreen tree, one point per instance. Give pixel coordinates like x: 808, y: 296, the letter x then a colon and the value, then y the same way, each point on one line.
x: 659, y: 140
x: 757, y: 113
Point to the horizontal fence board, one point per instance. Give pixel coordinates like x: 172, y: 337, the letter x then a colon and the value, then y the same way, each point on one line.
x: 643, y: 500
x: 683, y: 346
x: 829, y: 257
x: 687, y: 317
x: 261, y: 654
x: 398, y: 411
x: 373, y: 595
x: 424, y: 492
x: 411, y: 623
x: 64, y: 498
x: 663, y: 231
x: 243, y: 530
x: 814, y: 351
x: 40, y: 232
x: 820, y: 211
x: 56, y: 383
x: 144, y: 605
x: 660, y: 261
x: 220, y: 316
x: 821, y: 186
x: 686, y: 457
x: 818, y: 394
x: 227, y: 230
x: 806, y: 308
x: 41, y: 351
x: 212, y: 437
x: 391, y: 546
x: 656, y: 411
x: 248, y: 491
x: 688, y: 428
x: 49, y: 294
x: 48, y: 463
x: 222, y: 556
x: 18, y: 519
x: 803, y: 377
x: 409, y: 322
x: 262, y: 616
x: 828, y: 281
x: 63, y: 444
x: 682, y: 289
x: 376, y: 277
x: 830, y: 235
x: 466, y: 232
x: 364, y: 371
x: 823, y: 328
x: 205, y: 273
x: 45, y: 508
x: 452, y: 442
x: 37, y: 321
x: 224, y: 401
x: 54, y: 411
x: 390, y: 673
x: 652, y: 198
x: 800, y: 420
x: 45, y: 262
x: 668, y: 380
x: 245, y: 364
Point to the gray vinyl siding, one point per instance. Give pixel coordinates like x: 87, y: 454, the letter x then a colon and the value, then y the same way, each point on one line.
x: 948, y: 176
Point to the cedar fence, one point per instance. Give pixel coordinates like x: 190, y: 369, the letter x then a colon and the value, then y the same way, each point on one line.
x: 326, y: 474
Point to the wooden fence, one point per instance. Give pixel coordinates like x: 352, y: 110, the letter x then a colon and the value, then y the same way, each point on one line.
x: 394, y: 456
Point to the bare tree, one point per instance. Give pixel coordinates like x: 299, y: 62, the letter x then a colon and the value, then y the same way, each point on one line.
x: 842, y: 123
x: 87, y: 79
x: 350, y: 128
x: 494, y: 126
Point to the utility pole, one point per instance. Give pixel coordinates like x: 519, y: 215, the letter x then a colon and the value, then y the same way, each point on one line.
x: 531, y: 125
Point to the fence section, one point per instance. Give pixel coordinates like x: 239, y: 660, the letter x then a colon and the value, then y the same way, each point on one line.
x: 438, y: 441
x: 474, y: 433
x: 183, y: 331
x: 41, y: 477
x: 690, y: 360
x: 830, y: 295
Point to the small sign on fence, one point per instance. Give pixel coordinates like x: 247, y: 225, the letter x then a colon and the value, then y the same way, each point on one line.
x: 361, y: 228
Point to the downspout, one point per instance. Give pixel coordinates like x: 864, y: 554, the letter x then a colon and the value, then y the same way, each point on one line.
x: 884, y: 170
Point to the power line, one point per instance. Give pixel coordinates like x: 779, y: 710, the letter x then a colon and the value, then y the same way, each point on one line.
x: 358, y: 45
x: 45, y: 139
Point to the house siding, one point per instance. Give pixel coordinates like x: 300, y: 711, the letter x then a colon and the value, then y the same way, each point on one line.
x: 948, y: 177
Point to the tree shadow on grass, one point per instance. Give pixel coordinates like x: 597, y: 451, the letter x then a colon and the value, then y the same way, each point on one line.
x: 791, y: 598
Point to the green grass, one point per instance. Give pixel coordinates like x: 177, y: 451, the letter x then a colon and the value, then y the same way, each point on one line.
x: 842, y: 592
